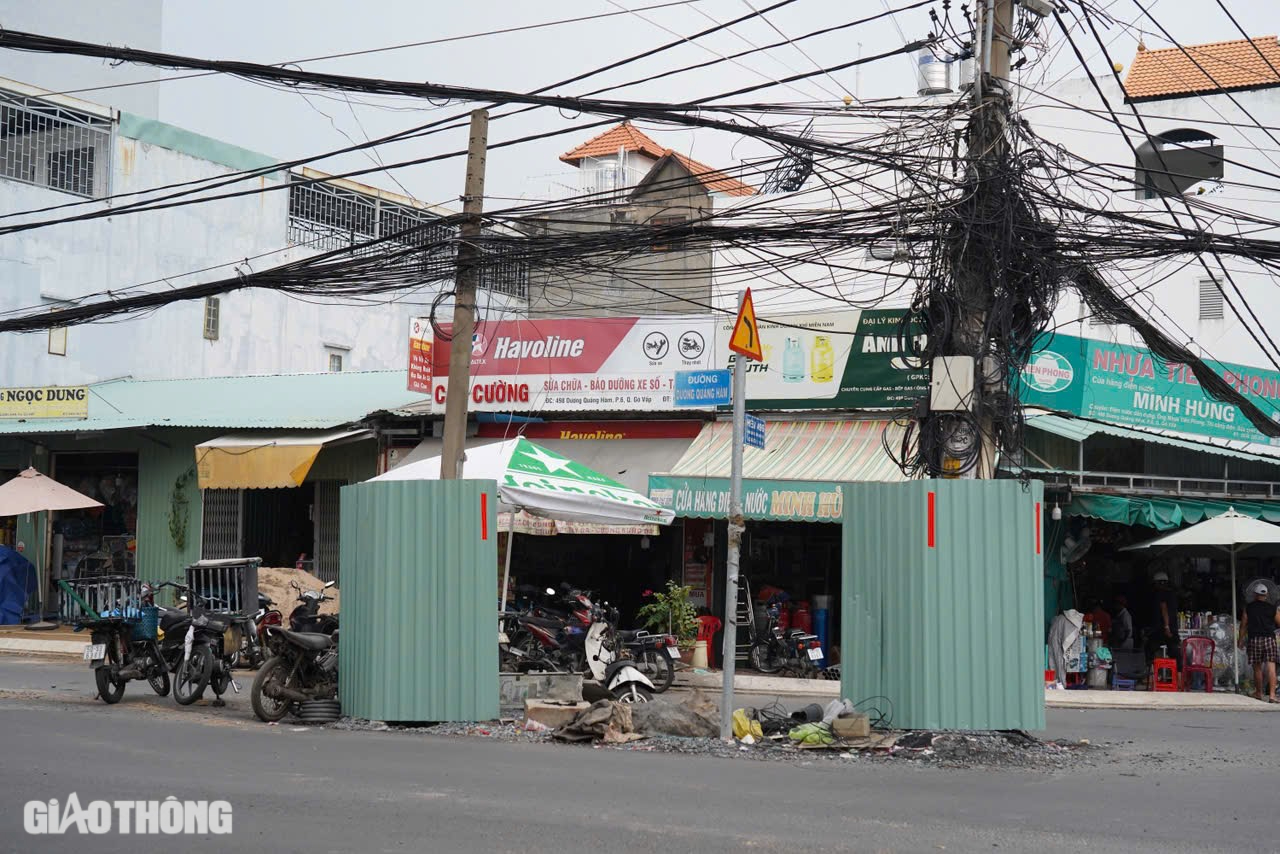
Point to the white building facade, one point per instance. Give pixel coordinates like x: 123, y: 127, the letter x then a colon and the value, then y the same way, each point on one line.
x: 61, y: 157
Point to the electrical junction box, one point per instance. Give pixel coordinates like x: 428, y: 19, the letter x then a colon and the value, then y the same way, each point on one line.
x: 951, y: 386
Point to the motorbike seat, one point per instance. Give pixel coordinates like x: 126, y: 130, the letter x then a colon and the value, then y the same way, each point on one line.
x: 307, y: 640
x: 629, y: 635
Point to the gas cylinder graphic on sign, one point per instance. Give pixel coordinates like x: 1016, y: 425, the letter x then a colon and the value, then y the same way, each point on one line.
x: 822, y: 360
x: 792, y: 361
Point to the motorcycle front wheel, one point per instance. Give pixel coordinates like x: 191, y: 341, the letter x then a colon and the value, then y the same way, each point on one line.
x: 268, y: 709
x: 632, y: 692
x: 192, y: 676
x: 763, y: 659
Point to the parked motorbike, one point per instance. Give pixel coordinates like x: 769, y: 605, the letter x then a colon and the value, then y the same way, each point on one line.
x: 795, y: 651
x: 253, y: 652
x: 123, y: 647
x: 303, y: 666
x: 616, y: 672
x: 654, y: 655
x: 198, y: 647
x: 306, y: 617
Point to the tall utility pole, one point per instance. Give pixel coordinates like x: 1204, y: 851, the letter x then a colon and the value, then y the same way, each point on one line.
x: 745, y: 343
x: 976, y: 273
x: 464, y: 301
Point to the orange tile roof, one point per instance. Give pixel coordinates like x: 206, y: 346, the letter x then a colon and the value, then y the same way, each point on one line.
x: 629, y: 138
x: 625, y: 136
x: 1171, y: 73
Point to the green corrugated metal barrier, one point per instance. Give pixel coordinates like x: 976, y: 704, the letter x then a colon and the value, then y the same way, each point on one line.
x: 943, y: 602
x: 419, y: 601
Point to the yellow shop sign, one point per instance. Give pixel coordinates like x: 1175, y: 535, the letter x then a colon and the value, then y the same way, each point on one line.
x: 45, y: 402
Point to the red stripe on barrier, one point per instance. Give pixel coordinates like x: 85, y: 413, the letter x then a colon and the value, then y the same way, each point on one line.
x: 1037, y: 527
x: 484, y: 515
x: 932, y: 518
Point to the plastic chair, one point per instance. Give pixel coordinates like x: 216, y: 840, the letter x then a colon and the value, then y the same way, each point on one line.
x: 707, y: 628
x: 1164, y: 675
x: 1197, y: 657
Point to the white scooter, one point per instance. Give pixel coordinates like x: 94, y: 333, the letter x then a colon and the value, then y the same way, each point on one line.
x: 619, y: 675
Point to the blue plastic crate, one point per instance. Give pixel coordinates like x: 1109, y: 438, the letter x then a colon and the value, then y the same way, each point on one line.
x: 145, y: 629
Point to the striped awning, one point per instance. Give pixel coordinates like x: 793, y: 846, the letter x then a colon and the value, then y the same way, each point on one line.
x: 835, y: 451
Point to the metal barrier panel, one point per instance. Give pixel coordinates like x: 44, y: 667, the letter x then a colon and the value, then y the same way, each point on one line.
x: 943, y: 602
x: 419, y: 591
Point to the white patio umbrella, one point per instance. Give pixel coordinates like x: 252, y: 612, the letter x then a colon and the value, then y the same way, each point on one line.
x: 1231, y: 533
x: 543, y: 483
x: 32, y: 492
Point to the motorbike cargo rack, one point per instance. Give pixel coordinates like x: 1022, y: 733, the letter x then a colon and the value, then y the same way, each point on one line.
x: 227, y: 586
x: 85, y: 599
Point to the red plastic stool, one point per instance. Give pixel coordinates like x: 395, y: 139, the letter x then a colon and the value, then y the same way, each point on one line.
x: 707, y: 628
x: 1164, y: 675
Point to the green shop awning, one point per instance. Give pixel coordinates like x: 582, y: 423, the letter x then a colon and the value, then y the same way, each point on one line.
x: 796, y: 478
x: 1079, y: 429
x: 1165, y: 513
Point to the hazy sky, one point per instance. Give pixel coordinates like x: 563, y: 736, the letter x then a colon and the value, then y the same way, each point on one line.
x: 288, y: 124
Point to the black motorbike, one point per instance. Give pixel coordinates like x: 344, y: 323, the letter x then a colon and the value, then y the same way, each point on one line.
x: 198, y: 647
x: 123, y: 647
x: 306, y: 617
x: 303, y: 666
x: 794, y: 651
x: 653, y: 655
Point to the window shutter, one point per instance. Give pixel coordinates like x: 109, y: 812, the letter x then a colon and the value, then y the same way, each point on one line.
x: 1210, y: 300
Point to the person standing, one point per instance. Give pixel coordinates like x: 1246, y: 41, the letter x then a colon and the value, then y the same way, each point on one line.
x: 1258, y: 625
x: 1101, y: 621
x: 1164, y: 619
x: 1122, y: 624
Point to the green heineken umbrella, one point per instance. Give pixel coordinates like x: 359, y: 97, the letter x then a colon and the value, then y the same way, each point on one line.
x: 543, y: 483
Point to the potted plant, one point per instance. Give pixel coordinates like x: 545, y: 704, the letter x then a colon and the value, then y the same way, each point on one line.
x: 670, y: 611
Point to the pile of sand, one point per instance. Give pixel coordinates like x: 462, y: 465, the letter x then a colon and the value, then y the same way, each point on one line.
x: 274, y: 582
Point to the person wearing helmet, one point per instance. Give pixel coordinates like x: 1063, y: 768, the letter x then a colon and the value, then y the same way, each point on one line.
x: 1258, y: 626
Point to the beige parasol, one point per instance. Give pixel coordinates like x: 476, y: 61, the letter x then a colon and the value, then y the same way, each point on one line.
x: 31, y: 492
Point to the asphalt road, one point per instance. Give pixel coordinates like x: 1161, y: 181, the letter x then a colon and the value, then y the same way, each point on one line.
x: 1173, y: 781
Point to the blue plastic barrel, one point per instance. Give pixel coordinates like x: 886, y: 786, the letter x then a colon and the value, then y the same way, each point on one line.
x: 820, y: 629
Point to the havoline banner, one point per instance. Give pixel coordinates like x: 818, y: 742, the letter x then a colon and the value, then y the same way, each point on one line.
x: 1125, y: 385
x: 833, y: 360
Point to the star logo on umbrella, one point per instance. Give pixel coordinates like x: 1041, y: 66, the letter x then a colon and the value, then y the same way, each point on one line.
x: 550, y: 462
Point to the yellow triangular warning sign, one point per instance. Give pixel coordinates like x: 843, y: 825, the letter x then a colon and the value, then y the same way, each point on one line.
x: 745, y: 339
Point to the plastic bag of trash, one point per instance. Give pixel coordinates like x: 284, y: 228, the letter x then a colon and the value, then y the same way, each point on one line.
x: 835, y: 709
x: 744, y: 726
x: 812, y: 734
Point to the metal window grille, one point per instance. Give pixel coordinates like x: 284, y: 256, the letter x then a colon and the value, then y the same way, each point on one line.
x: 212, y: 317
x: 326, y: 217
x: 52, y: 146
x: 1210, y: 300
x: 335, y: 363
x: 222, y: 534
x: 327, y: 524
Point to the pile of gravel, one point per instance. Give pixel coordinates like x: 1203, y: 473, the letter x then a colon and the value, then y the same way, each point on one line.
x: 1010, y: 750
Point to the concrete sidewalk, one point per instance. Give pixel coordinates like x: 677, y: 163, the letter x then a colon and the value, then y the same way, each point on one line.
x: 1156, y: 700
x: 60, y: 641
x: 711, y: 680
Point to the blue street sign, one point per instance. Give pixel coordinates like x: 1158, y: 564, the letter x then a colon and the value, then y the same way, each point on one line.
x: 753, y: 432
x: 703, y: 388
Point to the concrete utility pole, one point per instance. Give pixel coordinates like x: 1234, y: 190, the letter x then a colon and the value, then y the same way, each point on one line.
x: 464, y: 302
x: 988, y: 145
